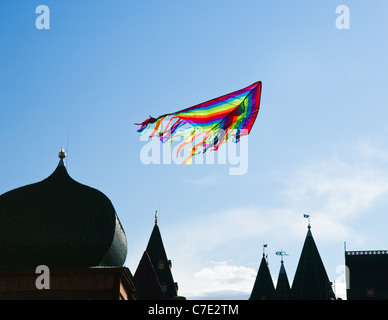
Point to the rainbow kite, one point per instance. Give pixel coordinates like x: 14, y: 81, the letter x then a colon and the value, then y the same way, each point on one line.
x: 214, y: 121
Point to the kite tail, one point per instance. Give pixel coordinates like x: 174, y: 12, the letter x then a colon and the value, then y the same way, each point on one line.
x: 190, y: 140
x: 194, y: 149
x: 169, y: 130
x: 145, y: 124
x: 212, y: 140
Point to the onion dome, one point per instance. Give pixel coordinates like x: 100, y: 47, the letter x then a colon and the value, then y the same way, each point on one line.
x: 60, y: 223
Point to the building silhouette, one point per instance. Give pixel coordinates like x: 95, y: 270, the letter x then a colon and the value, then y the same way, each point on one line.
x: 283, y: 290
x: 367, y: 275
x: 263, y: 288
x: 153, y: 276
x: 310, y: 281
x: 74, y: 232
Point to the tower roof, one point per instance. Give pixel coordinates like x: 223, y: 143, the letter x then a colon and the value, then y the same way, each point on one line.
x: 59, y: 222
x: 283, y: 291
x: 311, y: 281
x: 263, y: 289
x: 161, y: 264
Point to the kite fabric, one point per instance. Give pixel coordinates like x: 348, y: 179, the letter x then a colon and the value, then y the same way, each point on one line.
x: 213, y: 122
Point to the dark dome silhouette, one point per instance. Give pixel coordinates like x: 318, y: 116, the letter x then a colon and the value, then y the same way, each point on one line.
x: 60, y: 223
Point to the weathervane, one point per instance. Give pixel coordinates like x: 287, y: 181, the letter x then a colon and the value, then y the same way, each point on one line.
x: 307, y: 216
x: 281, y: 253
x: 265, y: 255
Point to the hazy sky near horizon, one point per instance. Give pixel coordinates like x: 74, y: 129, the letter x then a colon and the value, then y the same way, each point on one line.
x: 319, y: 144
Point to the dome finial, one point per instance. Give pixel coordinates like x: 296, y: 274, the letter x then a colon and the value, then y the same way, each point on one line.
x: 156, y: 217
x: 62, y: 154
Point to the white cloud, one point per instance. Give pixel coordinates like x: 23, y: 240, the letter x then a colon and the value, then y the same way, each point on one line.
x: 367, y: 150
x: 340, y: 282
x: 220, y: 280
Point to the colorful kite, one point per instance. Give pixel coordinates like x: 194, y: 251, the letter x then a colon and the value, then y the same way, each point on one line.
x: 213, y: 122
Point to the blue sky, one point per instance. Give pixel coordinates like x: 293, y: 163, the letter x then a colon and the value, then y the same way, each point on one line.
x: 318, y: 145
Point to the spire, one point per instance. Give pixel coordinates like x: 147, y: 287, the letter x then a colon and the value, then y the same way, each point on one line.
x: 283, y: 291
x: 263, y: 289
x: 156, y: 217
x: 161, y: 264
x: 311, y: 281
x: 61, y: 155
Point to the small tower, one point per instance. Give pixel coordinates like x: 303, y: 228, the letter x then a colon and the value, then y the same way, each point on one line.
x: 311, y: 281
x: 283, y: 290
x: 263, y: 289
x: 160, y: 266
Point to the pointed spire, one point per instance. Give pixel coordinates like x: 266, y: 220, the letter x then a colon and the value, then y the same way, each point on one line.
x: 157, y: 254
x: 283, y: 290
x: 156, y: 217
x: 311, y: 281
x: 282, y: 268
x: 263, y: 288
x: 309, y: 234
